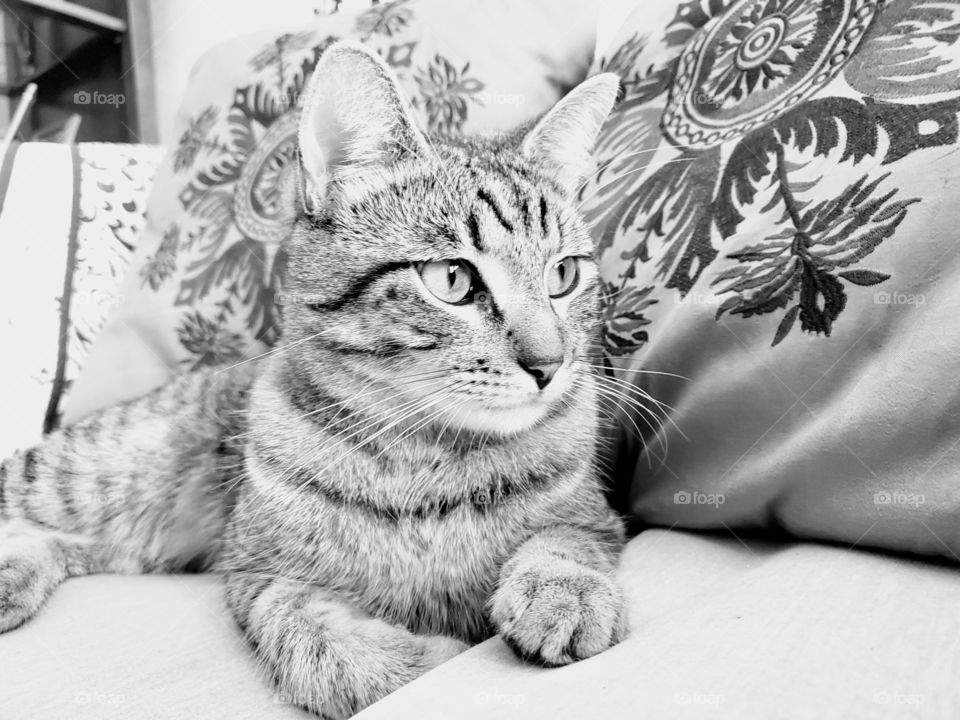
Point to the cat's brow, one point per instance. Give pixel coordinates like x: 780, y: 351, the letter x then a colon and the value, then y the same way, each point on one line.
x: 485, y: 197
x: 359, y: 286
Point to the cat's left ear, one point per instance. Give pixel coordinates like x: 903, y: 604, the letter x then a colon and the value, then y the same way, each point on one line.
x: 354, y: 116
x: 562, y: 141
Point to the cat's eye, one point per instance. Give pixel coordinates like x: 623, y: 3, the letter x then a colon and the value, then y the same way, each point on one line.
x: 452, y: 281
x: 563, y: 277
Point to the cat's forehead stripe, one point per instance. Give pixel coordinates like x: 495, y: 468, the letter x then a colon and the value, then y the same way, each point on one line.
x: 517, y: 208
x: 485, y: 197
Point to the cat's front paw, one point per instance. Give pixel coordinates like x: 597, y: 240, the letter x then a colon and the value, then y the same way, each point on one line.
x: 27, y: 577
x: 558, y: 613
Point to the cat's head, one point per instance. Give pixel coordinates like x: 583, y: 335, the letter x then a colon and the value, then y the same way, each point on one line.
x: 458, y: 273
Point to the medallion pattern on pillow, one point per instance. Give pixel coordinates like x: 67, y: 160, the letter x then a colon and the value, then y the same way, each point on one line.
x: 223, y: 249
x: 716, y: 155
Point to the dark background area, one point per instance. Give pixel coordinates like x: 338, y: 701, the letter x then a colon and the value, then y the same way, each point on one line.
x: 78, y: 62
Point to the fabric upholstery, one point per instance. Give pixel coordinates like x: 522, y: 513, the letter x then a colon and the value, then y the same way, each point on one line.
x: 63, y: 258
x: 719, y: 628
x: 774, y: 211
x: 727, y: 629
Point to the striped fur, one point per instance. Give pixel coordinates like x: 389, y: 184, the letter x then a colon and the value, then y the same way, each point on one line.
x: 390, y: 485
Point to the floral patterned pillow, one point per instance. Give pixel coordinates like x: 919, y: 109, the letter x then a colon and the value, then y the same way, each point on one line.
x: 61, y: 268
x: 205, y: 285
x: 776, y: 214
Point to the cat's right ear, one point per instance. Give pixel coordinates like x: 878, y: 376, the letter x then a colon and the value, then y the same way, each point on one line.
x: 354, y: 116
x: 562, y: 141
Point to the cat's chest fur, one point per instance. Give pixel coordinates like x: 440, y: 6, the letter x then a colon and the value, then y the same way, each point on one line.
x: 415, y: 534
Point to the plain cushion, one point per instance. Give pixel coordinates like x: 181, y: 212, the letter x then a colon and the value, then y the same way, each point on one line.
x: 145, y: 647
x: 724, y: 628
x: 720, y: 628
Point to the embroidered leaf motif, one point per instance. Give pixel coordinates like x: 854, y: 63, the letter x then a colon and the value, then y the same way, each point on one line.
x: 671, y: 206
x: 444, y: 92
x: 195, y: 139
x: 670, y: 190
x: 624, y: 319
x: 162, y: 264
x: 806, y: 253
x: 911, y: 51
x: 816, y: 124
x: 786, y: 325
x: 384, y: 19
x: 209, y: 341
x: 864, y: 277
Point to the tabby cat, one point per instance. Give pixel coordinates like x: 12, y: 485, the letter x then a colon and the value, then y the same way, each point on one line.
x: 414, y: 468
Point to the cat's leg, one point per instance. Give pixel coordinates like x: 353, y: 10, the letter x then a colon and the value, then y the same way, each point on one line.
x: 141, y: 487
x: 557, y: 600
x: 324, y: 654
x: 33, y: 562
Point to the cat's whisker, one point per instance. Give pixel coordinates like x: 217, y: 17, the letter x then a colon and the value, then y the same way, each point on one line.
x: 423, y: 424
x: 617, y: 179
x: 619, y: 401
x: 668, y: 411
x: 382, y: 388
x: 411, y: 412
x: 378, y: 419
x: 642, y: 410
x: 346, y: 402
x: 664, y: 444
x: 272, y: 351
x: 313, y: 455
x: 638, y: 371
x: 418, y: 406
x: 612, y: 411
x: 619, y: 158
x: 357, y: 429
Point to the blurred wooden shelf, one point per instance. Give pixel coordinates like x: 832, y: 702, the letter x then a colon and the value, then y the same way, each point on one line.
x: 77, y: 52
x: 72, y: 13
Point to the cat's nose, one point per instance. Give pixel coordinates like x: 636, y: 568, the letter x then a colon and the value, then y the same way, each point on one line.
x: 541, y: 370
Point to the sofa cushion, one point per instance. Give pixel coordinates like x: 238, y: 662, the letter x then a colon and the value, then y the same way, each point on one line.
x: 151, y: 647
x: 719, y: 629
x: 205, y: 286
x: 775, y: 216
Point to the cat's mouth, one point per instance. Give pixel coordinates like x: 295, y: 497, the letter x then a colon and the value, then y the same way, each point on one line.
x: 509, y: 415
x: 500, y: 420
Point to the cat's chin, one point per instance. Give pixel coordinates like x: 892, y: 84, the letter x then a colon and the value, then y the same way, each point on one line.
x: 509, y: 420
